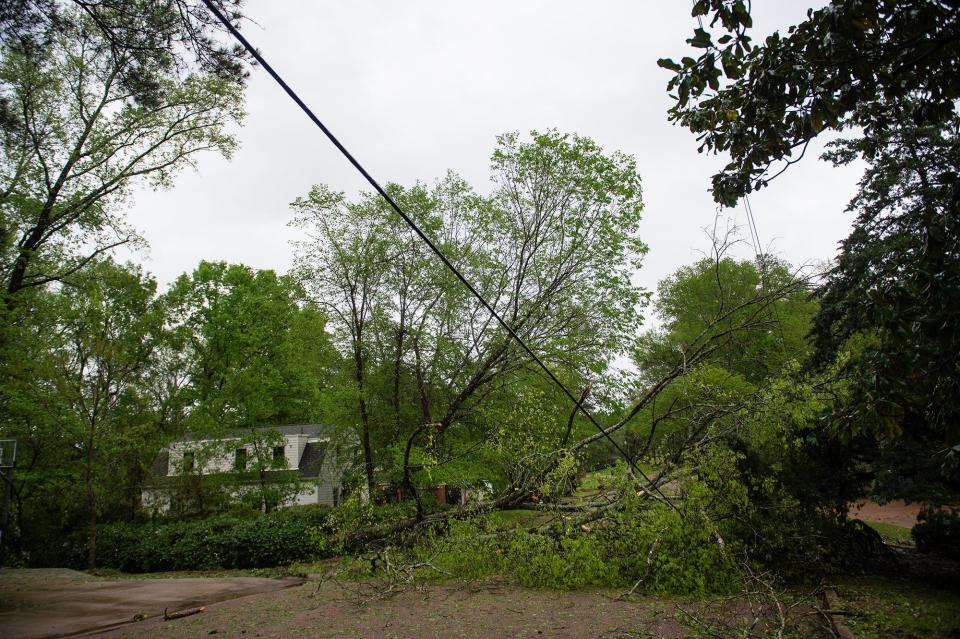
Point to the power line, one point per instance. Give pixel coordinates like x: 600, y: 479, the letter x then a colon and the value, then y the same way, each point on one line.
x: 423, y: 236
x: 755, y: 239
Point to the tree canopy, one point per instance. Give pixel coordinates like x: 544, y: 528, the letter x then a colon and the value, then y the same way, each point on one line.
x: 850, y: 65
x: 76, y: 141
x: 553, y: 248
x: 885, y: 74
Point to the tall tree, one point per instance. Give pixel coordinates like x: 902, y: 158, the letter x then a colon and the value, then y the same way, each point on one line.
x: 251, y: 357
x: 91, y: 378
x: 888, y: 71
x: 165, y: 37
x: 553, y: 250
x: 712, y: 297
x: 254, y: 357
x: 344, y: 264
x: 77, y: 141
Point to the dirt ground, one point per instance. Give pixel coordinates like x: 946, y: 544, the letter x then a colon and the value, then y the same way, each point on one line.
x: 476, y: 610
x: 898, y: 512
x: 248, y: 608
x: 58, y: 602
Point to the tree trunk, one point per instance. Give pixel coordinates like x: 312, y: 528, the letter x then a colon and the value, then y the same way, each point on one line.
x: 91, y: 505
x: 407, y: 480
x: 364, y: 419
x: 425, y: 413
x: 396, y: 377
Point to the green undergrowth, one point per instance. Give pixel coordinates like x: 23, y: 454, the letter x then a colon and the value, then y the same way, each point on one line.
x: 686, y: 557
x: 513, y: 518
x: 597, y: 480
x: 892, y: 608
x: 891, y: 533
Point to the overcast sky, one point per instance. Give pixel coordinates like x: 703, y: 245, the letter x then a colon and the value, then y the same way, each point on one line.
x: 415, y: 88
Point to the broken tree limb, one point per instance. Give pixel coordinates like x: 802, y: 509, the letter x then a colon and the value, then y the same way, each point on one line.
x: 649, y: 567
x: 830, y: 604
x: 576, y: 408
x: 183, y: 613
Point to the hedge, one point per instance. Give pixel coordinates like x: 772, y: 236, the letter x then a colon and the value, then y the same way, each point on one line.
x: 279, y: 538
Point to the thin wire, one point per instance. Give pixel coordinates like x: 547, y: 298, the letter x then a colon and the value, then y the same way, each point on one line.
x: 755, y: 240
x: 413, y: 225
x: 762, y: 266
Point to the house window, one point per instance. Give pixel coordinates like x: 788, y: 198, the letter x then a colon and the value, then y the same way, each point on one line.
x: 188, y: 462
x: 278, y: 454
x: 240, y: 459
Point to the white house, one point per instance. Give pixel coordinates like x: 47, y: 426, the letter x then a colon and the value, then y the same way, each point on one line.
x: 308, y: 448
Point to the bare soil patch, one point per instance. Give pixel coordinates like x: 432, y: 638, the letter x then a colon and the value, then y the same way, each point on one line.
x: 897, y: 512
x: 56, y: 603
x: 472, y: 610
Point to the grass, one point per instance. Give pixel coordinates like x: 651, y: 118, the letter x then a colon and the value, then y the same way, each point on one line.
x: 592, y: 481
x: 892, y: 608
x: 891, y: 533
x: 512, y: 518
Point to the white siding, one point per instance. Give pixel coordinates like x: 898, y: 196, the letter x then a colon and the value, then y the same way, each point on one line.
x: 309, y: 496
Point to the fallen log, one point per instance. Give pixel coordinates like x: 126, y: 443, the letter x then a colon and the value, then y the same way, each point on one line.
x: 831, y: 606
x: 182, y: 613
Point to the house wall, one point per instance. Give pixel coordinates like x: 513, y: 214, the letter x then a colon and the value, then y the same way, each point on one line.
x: 218, y: 464
x: 324, y: 489
x: 309, y: 496
x: 295, y: 446
x: 293, y: 449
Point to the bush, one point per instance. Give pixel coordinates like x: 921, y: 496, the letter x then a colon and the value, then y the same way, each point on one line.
x: 938, y: 531
x: 688, y: 557
x: 275, y: 539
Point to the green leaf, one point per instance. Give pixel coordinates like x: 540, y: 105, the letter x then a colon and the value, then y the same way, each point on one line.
x: 667, y: 63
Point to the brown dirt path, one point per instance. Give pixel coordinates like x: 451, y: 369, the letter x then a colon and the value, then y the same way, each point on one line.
x: 54, y: 603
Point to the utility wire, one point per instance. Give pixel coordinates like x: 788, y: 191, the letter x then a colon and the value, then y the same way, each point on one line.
x: 762, y: 267
x: 423, y: 236
x: 755, y: 238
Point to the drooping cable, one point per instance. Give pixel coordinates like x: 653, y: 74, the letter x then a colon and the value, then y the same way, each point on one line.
x: 423, y: 236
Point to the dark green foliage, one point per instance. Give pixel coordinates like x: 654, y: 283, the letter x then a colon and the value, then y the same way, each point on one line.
x: 890, y: 304
x: 850, y: 64
x: 276, y: 539
x: 938, y: 531
x: 887, y: 69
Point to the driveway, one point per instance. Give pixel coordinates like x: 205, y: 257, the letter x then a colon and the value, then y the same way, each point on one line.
x: 40, y: 603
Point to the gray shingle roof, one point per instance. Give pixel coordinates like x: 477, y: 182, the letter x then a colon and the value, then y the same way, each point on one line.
x: 312, y: 459
x: 161, y: 465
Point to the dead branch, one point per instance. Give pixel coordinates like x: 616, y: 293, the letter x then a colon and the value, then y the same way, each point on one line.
x: 182, y: 613
x: 647, y: 570
x: 830, y: 604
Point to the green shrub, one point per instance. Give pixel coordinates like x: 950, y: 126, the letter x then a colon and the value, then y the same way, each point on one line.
x: 938, y: 531
x: 688, y: 556
x: 542, y: 561
x: 275, y: 539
